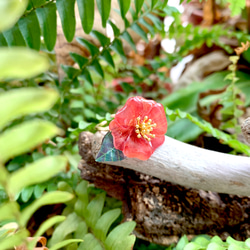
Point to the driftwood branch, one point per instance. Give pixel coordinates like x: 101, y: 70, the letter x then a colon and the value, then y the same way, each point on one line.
x: 163, y: 210
x: 191, y: 166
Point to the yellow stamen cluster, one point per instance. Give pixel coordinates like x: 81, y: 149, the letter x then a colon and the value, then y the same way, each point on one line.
x: 144, y: 128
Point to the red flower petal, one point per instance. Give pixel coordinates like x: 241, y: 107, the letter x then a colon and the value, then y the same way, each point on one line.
x: 140, y: 141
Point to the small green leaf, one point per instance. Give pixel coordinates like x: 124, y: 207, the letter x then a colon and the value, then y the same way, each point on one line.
x: 80, y: 60
x: 92, y: 48
x: 104, y: 41
x: 124, y: 7
x: 26, y: 193
x: 66, y: 10
x: 22, y: 101
x: 48, y: 224
x: 148, y: 26
x: 138, y: 5
x: 22, y: 138
x: 114, y: 28
x: 106, y: 56
x: 118, y: 48
x: 192, y: 246
x: 10, y: 11
x: 90, y: 243
x: 46, y: 199
x: 3, y: 42
x: 86, y: 76
x: 70, y: 71
x: 236, y: 6
x: 104, y: 7
x: 47, y: 19
x: 14, y: 37
x: 9, y: 210
x: 182, y: 243
x: 94, y: 209
x: 104, y: 222
x: 65, y: 228
x: 14, y: 240
x: 119, y: 233
x: 39, y: 190
x: 126, y: 36
x: 156, y: 21
x: 30, y: 30
x: 64, y: 243
x: 215, y: 246
x: 153, y: 3
x: 108, y: 152
x: 81, y: 230
x: 126, y: 243
x: 4, y: 175
x: 21, y: 63
x: 37, y: 172
x: 95, y: 65
x: 137, y: 29
x: 86, y: 11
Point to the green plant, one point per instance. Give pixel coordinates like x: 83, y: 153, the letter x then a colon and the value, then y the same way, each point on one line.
x: 85, y: 220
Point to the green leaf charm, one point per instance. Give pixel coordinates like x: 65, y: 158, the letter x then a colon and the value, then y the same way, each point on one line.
x: 107, y: 151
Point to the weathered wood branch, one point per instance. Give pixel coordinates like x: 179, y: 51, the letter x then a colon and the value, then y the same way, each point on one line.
x: 193, y: 167
x: 162, y: 210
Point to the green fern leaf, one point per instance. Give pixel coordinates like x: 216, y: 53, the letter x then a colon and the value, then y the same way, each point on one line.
x: 30, y: 29
x: 92, y: 48
x: 126, y: 36
x: 118, y: 48
x: 156, y: 21
x: 66, y: 10
x: 104, y: 7
x: 149, y: 27
x: 14, y: 37
x: 70, y: 71
x: 153, y: 3
x: 47, y: 20
x: 80, y: 60
x: 3, y: 41
x: 87, y: 11
x: 90, y: 243
x: 85, y: 75
x: 104, y: 222
x: 138, y: 5
x: 95, y: 65
x: 114, y: 28
x: 136, y: 28
x: 124, y: 7
x: 94, y: 209
x: 106, y: 56
x: 104, y: 41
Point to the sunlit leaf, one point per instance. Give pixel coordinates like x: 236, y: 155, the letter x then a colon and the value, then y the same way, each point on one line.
x: 37, y: 172
x: 104, y: 7
x: 64, y: 243
x: 14, y: 36
x: 47, y: 19
x: 21, y: 63
x: 14, y: 240
x: 86, y: 11
x: 118, y: 48
x: 89, y: 243
x: 108, y: 152
x: 46, y: 199
x: 22, y: 101
x: 30, y: 30
x: 10, y: 11
x: 138, y: 5
x: 104, y: 222
x: 66, y: 227
x: 48, y: 224
x: 119, y: 233
x: 94, y: 209
x: 22, y: 138
x: 124, y: 7
x: 66, y: 10
x: 9, y: 210
x: 106, y: 56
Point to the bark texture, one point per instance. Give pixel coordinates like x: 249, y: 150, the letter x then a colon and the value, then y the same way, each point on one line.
x: 162, y: 210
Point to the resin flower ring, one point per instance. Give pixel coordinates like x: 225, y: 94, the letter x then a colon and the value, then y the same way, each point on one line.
x: 139, y: 127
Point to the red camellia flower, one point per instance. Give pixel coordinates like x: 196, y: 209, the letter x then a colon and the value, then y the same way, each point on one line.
x: 139, y: 127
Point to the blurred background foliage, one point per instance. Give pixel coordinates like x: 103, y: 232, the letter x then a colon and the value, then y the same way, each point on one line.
x: 67, y: 65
